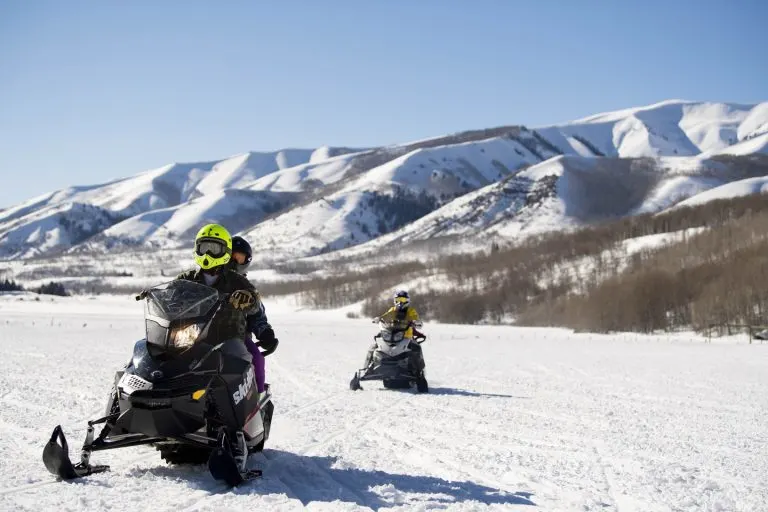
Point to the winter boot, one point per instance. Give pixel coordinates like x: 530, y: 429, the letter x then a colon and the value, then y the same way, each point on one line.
x: 239, y: 450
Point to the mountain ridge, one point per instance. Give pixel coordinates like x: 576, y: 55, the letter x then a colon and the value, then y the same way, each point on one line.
x: 303, y: 202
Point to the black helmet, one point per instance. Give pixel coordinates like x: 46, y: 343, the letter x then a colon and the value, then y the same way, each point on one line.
x: 240, y: 245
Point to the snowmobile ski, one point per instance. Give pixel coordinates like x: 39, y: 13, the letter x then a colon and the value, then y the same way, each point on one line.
x: 354, y: 384
x: 56, y: 458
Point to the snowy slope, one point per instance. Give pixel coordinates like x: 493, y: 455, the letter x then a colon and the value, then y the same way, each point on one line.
x: 300, y: 202
x: 173, y: 227
x: 315, y: 174
x: 476, y: 212
x: 43, y: 224
x: 51, y: 229
x: 684, y: 178
x: 728, y: 191
x: 539, y: 419
x: 560, y: 193
x: 241, y: 170
x: 669, y: 128
x: 157, y: 188
x: 408, y: 186
x: 750, y: 146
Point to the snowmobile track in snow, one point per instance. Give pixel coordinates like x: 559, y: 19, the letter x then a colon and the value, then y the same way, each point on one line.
x: 307, y: 449
x: 356, y: 427
x: 54, y: 480
x: 462, y: 472
x: 609, y: 422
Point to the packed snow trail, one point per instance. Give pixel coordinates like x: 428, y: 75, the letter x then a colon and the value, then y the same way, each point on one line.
x: 517, y: 419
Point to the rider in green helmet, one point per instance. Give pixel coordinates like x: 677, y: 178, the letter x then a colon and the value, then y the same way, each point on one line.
x: 213, y: 251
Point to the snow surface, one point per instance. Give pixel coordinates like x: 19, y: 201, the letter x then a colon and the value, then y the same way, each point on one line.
x: 669, y: 128
x: 534, y: 419
x: 676, y: 189
x: 306, y: 176
x: 756, y: 144
x: 729, y: 191
x: 240, y: 170
x: 345, y: 217
x: 652, y: 242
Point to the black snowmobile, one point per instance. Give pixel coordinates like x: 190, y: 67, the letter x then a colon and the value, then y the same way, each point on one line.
x: 193, y: 397
x: 391, y: 361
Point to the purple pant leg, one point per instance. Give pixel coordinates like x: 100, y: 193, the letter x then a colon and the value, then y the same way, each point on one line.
x: 259, y: 366
x: 258, y: 363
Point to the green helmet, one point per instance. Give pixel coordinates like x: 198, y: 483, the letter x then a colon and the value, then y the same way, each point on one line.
x: 213, y: 246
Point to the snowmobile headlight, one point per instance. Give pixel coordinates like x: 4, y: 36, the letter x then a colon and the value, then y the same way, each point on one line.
x: 185, y: 337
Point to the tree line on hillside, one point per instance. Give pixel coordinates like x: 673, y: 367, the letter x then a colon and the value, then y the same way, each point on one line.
x: 51, y: 288
x: 586, y: 279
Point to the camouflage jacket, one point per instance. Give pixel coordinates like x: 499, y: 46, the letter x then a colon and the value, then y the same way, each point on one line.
x: 229, y: 322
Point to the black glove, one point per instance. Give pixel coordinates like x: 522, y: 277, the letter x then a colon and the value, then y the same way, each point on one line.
x: 267, y: 339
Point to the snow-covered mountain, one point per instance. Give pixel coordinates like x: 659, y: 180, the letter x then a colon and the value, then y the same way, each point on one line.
x: 669, y: 128
x: 391, y: 195
x: 505, y: 182
x: 571, y: 191
x: 143, y: 204
x: 731, y: 190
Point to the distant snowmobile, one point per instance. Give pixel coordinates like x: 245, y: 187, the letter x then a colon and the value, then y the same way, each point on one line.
x: 390, y: 362
x: 191, y: 396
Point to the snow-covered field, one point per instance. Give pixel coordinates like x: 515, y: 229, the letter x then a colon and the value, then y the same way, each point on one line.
x: 518, y: 419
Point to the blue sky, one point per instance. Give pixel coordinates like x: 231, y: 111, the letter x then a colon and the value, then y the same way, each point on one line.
x: 91, y: 91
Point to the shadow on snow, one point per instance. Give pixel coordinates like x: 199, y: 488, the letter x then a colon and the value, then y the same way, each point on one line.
x: 323, y: 479
x: 464, y: 392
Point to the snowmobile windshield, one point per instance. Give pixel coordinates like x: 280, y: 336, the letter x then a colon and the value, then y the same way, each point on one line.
x: 389, y: 335
x: 180, y: 299
x: 175, y: 312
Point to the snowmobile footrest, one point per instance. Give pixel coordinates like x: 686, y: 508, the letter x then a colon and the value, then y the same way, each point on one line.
x: 57, y: 461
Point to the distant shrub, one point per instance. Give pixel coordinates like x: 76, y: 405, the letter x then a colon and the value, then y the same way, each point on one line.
x: 53, y: 288
x: 10, y: 286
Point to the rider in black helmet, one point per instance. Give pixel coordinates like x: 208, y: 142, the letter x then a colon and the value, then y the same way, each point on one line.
x: 257, y: 321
